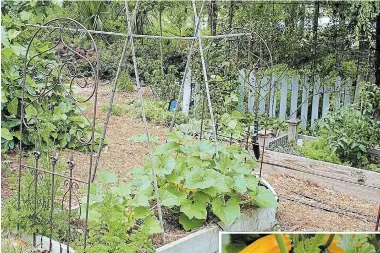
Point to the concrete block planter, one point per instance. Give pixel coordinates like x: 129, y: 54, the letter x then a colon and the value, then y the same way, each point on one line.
x: 207, y: 239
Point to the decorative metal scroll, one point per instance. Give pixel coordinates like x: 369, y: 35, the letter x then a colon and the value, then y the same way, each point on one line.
x: 61, y: 61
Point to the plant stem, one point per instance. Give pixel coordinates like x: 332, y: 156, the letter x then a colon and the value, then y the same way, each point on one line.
x: 281, y: 243
x: 329, y: 241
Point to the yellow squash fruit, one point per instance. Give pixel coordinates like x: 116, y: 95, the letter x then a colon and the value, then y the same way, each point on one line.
x: 267, y: 244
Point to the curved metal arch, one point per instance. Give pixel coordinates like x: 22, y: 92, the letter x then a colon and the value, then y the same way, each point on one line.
x: 63, y: 72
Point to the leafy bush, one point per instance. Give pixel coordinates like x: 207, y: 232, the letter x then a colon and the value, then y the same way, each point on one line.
x: 126, y: 83
x: 318, y: 150
x: 157, y: 112
x: 58, y: 119
x: 349, y: 134
x: 195, y: 184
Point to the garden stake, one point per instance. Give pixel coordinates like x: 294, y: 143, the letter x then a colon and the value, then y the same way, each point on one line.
x: 206, y: 81
x: 112, y: 97
x: 197, y: 22
x: 145, y: 123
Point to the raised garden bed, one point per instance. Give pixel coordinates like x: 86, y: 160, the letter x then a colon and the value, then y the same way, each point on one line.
x: 359, y: 182
x: 207, y: 240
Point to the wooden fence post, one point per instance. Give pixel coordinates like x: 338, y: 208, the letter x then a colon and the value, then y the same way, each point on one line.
x: 315, y: 105
x: 305, y: 102
x: 241, y: 80
x: 272, y: 97
x: 252, y: 84
x: 262, y: 97
x: 294, y: 97
x: 326, y: 101
x: 284, y: 96
x: 347, y: 91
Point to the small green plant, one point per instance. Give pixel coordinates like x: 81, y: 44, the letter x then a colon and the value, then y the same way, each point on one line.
x: 117, y: 109
x: 318, y: 150
x: 157, y: 112
x: 126, y: 83
x: 117, y: 222
x: 29, y: 221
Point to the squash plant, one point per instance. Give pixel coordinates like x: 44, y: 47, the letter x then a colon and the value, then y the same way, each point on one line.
x: 195, y: 184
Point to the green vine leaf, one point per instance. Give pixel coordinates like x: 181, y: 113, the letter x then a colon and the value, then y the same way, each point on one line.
x: 263, y: 197
x: 153, y: 224
x: 194, y: 209
x: 107, y: 177
x: 189, y: 224
x: 227, y: 212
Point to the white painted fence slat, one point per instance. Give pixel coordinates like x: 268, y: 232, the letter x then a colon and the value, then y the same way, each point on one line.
x: 357, y: 92
x: 252, y: 84
x: 347, y: 91
x: 315, y: 105
x: 186, y: 93
x: 294, y: 97
x: 337, y: 91
x: 305, y: 103
x: 262, y: 97
x: 241, y: 80
x: 326, y: 102
x: 284, y: 96
x: 272, y: 98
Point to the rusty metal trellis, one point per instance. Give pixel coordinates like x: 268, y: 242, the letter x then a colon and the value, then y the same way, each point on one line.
x: 45, y: 69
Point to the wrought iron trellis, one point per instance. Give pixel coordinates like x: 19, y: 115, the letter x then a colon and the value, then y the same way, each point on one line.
x: 60, y: 66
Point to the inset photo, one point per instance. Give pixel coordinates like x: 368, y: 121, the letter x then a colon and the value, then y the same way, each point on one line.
x: 299, y: 243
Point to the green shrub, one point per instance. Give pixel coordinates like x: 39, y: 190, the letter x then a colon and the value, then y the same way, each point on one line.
x: 318, y: 150
x: 117, y: 109
x: 157, y: 112
x: 349, y: 134
x: 126, y: 83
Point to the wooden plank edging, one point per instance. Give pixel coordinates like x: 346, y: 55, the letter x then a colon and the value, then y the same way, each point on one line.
x: 324, y: 169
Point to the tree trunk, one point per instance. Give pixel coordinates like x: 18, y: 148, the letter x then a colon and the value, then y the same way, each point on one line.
x: 315, y: 31
x: 377, y: 51
x: 213, y: 17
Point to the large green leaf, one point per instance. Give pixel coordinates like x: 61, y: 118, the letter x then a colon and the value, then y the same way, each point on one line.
x: 141, y: 212
x: 12, y: 33
x: 12, y: 106
x: 196, y: 180
x: 5, y: 134
x: 24, y: 15
x: 168, y: 199
x: 264, y: 197
x: 189, y: 224
x: 107, y: 177
x: 227, y: 212
x: 194, y: 209
x: 153, y: 225
x: 122, y: 189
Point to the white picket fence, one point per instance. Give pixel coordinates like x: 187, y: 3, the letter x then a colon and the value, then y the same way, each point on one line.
x: 262, y: 91
x: 260, y: 96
